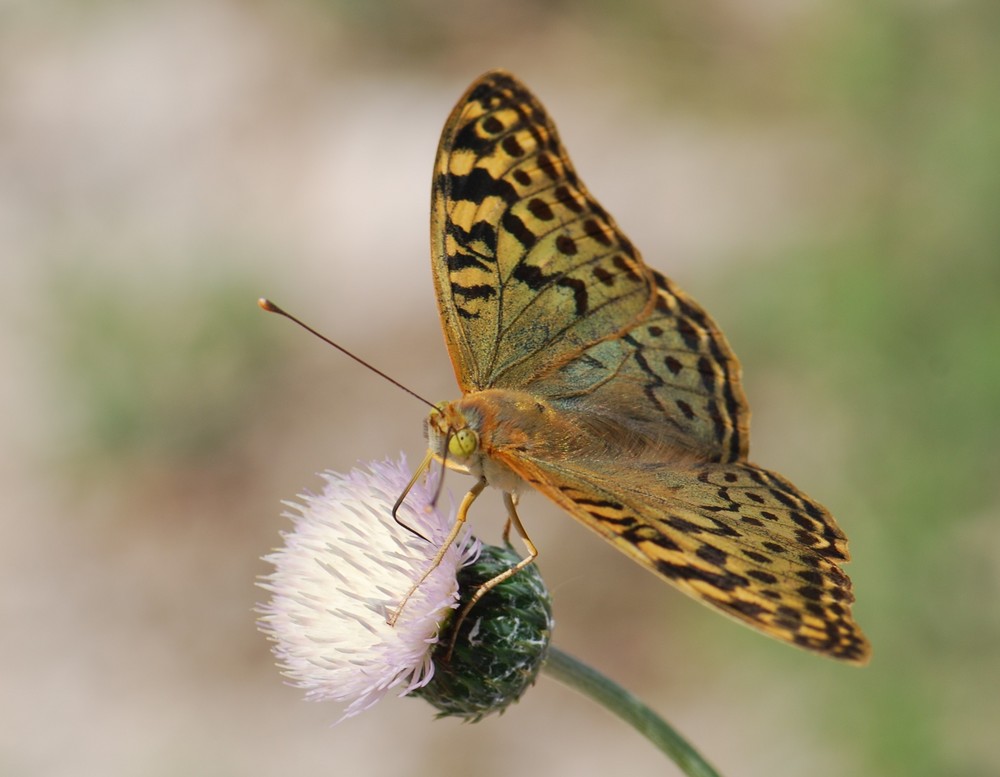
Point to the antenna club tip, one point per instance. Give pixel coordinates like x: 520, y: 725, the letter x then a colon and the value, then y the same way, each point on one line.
x: 265, y: 304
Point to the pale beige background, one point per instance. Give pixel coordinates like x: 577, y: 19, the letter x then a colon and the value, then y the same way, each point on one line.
x: 164, y: 163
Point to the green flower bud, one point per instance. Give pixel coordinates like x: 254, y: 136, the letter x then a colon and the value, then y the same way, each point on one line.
x: 501, y: 645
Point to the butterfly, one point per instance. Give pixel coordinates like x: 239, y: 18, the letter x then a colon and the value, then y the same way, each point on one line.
x: 592, y: 378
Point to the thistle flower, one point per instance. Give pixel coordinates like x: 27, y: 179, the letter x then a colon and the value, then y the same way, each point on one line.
x: 344, y: 567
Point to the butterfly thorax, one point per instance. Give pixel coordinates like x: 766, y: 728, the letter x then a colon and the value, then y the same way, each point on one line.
x: 484, y: 430
x: 496, y: 433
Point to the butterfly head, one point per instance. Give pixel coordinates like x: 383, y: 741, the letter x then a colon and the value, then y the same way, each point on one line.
x: 450, y: 435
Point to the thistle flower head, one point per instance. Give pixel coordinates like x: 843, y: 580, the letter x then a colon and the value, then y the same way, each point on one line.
x: 344, y: 567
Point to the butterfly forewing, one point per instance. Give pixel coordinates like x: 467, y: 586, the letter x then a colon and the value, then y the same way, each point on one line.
x: 540, y: 290
x: 528, y: 268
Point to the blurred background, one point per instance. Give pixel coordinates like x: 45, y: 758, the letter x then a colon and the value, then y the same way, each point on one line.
x: 823, y: 177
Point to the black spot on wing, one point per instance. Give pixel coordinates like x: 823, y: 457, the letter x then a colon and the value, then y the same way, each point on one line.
x: 460, y: 261
x: 566, y: 245
x: 712, y: 555
x: 468, y: 138
x: 531, y: 276
x: 481, y: 291
x: 723, y: 580
x: 565, y: 197
x: 760, y: 558
x: 685, y: 408
x: 688, y: 333
x: 622, y: 264
x: 579, y: 289
x: 751, y: 610
x: 511, y: 145
x: 604, y: 276
x: 478, y: 185
x: 540, y: 209
x: 547, y: 166
x: 595, y: 231
x: 482, y: 232
x: 763, y: 577
x: 493, y: 125
x: 518, y: 229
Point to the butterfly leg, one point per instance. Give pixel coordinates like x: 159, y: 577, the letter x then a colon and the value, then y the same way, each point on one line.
x: 424, y: 466
x: 506, y: 528
x: 463, y: 510
x: 509, y: 501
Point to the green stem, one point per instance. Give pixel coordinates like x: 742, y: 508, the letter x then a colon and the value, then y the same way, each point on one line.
x: 616, y: 699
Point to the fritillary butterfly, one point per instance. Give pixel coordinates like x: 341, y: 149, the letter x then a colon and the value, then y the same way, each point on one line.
x: 597, y: 381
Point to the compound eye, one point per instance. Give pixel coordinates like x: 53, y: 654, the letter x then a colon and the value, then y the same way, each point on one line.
x: 463, y: 443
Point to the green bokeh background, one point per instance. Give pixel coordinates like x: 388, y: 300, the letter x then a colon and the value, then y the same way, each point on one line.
x: 823, y: 177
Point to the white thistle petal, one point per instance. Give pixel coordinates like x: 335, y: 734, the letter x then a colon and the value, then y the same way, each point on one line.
x: 345, y: 565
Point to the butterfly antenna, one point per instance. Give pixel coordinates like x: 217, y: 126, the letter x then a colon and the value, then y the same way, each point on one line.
x: 270, y: 307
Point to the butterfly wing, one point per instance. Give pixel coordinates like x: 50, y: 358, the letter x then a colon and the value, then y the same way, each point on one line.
x: 734, y: 536
x: 670, y: 377
x: 539, y: 290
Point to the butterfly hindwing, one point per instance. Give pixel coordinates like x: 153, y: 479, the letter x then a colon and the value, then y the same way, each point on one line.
x: 734, y: 536
x: 670, y: 376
